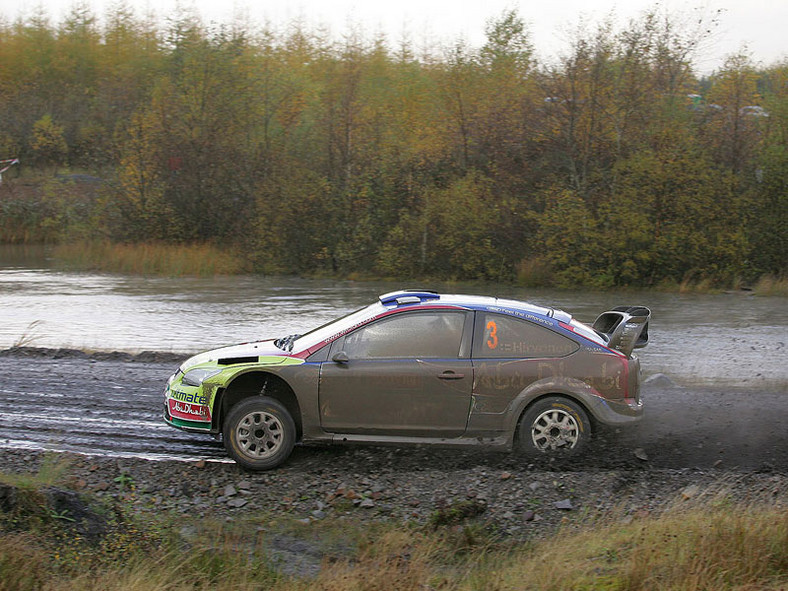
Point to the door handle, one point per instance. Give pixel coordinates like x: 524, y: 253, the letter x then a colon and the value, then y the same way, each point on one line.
x: 450, y: 375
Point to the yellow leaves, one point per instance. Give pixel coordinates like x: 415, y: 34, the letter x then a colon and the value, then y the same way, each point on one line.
x: 348, y: 156
x: 291, y: 110
x: 736, y: 83
x: 48, y: 142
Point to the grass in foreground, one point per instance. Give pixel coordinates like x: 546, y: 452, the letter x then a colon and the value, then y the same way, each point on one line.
x: 712, y: 544
x: 729, y: 547
x: 150, y: 259
x: 52, y: 471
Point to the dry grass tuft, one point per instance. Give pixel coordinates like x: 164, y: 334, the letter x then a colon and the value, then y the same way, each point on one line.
x: 769, y: 285
x: 398, y: 559
x: 173, y: 260
x: 52, y: 471
x: 701, y: 547
x: 534, y: 272
x: 24, y: 563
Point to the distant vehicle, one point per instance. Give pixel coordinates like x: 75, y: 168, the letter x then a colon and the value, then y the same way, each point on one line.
x: 418, y: 367
x: 753, y: 111
x: 7, y: 164
x: 696, y: 103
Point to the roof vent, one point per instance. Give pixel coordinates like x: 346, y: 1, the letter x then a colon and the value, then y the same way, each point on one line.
x: 408, y: 296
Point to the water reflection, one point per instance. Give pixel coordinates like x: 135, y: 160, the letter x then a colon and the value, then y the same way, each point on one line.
x: 730, y: 340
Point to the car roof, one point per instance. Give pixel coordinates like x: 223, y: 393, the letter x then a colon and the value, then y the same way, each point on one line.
x: 410, y: 297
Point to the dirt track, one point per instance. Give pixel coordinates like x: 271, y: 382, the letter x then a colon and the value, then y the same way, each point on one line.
x: 105, y: 409
x: 110, y: 405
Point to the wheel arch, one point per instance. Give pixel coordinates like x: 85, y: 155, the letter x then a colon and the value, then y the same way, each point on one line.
x: 258, y: 383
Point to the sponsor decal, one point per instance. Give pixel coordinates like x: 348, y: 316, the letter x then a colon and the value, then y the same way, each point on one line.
x: 351, y: 328
x: 191, y: 412
x: 192, y: 397
x: 520, y: 314
x: 595, y: 349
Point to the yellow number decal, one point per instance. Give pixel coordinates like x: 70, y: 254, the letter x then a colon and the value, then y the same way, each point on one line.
x: 492, y: 328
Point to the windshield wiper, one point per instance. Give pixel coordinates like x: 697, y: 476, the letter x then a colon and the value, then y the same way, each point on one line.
x: 286, y: 343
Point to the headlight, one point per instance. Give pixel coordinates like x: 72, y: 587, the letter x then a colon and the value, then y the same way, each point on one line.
x: 195, y: 377
x: 173, y: 377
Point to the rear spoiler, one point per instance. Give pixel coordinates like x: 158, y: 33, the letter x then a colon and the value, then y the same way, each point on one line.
x: 624, y: 328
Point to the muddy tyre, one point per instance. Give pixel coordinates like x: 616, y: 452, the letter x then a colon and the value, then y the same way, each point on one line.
x: 554, y: 425
x: 259, y: 433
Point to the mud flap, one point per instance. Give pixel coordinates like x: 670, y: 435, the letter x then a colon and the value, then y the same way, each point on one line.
x: 625, y: 328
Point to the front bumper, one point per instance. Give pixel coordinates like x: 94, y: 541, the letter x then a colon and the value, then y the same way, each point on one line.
x: 185, y: 407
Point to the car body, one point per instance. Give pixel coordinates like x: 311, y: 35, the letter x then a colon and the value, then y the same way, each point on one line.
x: 419, y: 367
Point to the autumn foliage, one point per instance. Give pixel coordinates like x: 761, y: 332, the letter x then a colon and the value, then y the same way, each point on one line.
x: 613, y: 164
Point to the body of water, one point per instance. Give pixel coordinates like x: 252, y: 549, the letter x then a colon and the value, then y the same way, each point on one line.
x: 728, y: 339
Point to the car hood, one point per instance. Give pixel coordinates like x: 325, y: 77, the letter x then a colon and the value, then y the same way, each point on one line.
x: 245, y: 353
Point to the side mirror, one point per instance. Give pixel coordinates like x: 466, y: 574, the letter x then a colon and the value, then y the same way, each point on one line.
x: 340, y: 357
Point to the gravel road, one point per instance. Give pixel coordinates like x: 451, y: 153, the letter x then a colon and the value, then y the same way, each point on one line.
x: 110, y: 404
x: 104, y: 409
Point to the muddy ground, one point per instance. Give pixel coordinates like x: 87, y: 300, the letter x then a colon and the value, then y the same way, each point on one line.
x: 103, y: 411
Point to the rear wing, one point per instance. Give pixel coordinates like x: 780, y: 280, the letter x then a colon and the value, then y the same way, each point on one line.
x: 624, y: 328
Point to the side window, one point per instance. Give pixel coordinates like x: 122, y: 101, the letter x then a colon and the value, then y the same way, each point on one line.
x: 423, y: 335
x: 319, y: 355
x: 505, y: 337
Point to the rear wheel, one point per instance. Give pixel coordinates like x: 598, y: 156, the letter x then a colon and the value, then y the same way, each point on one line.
x: 259, y: 433
x: 554, y: 425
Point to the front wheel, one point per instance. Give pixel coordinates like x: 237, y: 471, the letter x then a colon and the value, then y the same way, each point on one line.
x: 259, y: 433
x: 554, y: 425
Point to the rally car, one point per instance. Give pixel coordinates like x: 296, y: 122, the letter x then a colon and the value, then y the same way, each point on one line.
x: 419, y: 367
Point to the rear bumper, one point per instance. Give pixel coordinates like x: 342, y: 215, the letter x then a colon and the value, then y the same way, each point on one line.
x: 621, y: 411
x: 616, y: 412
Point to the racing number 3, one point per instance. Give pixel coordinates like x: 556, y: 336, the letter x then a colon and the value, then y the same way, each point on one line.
x: 492, y: 334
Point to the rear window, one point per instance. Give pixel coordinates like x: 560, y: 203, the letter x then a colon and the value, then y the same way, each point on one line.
x: 503, y: 337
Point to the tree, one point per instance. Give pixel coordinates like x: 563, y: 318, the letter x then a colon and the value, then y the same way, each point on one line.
x: 569, y: 238
x: 674, y: 217
x: 458, y: 83
x: 507, y: 116
x: 452, y: 237
x: 48, y: 143
x: 143, y: 212
x: 735, y: 129
x: 767, y: 222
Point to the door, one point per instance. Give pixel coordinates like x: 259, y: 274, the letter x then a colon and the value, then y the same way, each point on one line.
x: 407, y: 374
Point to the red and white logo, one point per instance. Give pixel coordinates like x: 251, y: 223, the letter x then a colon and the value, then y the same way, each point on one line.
x: 189, y: 412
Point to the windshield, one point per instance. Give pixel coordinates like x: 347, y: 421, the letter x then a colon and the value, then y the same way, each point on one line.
x: 329, y: 329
